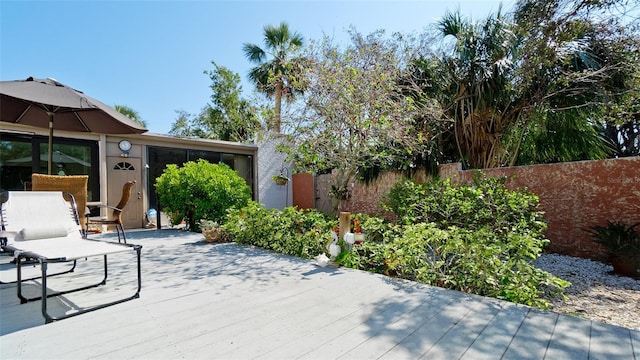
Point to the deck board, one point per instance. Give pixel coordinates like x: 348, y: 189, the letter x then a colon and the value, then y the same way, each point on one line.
x: 456, y: 342
x: 612, y: 342
x: 495, y: 338
x: 389, y: 334
x: 433, y: 330
x: 225, y: 301
x: 570, y: 339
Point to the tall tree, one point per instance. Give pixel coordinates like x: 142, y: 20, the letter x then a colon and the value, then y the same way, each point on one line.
x: 130, y: 113
x: 537, y: 82
x: 476, y: 91
x: 227, y: 117
x: 280, y: 71
x: 356, y: 115
x: 184, y: 125
x: 585, y: 72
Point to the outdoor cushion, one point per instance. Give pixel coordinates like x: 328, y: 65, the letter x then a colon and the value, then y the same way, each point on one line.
x: 43, y: 232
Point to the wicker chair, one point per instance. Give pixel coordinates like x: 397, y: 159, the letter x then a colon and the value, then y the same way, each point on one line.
x: 76, y: 185
x: 116, y: 216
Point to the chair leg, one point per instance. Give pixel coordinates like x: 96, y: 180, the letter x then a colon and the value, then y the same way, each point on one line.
x: 120, y: 228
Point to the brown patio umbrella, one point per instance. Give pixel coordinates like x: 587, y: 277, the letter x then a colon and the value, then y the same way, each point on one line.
x: 46, y: 103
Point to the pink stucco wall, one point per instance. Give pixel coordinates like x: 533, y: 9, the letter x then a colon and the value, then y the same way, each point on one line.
x: 573, y: 196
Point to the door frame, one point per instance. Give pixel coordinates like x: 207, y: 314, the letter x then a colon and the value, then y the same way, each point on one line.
x: 133, y: 215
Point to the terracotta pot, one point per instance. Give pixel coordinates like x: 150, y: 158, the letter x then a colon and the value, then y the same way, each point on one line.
x: 626, y: 267
x: 213, y: 236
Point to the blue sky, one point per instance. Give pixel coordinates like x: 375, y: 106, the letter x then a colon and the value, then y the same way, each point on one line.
x: 150, y: 55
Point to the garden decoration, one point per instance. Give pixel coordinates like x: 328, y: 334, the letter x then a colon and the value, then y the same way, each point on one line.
x: 280, y: 179
x: 212, y: 231
x: 334, y: 248
x: 358, y: 236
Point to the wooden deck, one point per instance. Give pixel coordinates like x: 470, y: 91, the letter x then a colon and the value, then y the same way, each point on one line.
x: 225, y: 301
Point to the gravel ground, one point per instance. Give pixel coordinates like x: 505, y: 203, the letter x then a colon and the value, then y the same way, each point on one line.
x: 595, y: 292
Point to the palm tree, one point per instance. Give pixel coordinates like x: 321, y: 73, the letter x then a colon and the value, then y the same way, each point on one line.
x: 281, y: 75
x: 478, y: 96
x: 130, y: 113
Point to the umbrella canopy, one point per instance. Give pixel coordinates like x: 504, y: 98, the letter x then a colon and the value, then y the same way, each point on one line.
x: 46, y: 103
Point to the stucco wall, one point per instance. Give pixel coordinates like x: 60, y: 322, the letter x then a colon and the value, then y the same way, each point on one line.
x: 270, y: 163
x: 367, y: 198
x: 573, y: 196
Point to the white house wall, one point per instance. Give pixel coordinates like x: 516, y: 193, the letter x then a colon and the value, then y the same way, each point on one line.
x: 270, y: 163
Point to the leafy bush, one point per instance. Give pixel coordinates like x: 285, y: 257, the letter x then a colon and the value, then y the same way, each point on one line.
x: 290, y: 231
x: 200, y: 191
x: 373, y: 226
x: 621, y: 240
x: 473, y: 261
x: 478, y: 238
x: 484, y: 203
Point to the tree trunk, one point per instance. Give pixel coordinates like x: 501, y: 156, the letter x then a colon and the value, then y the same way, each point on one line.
x: 278, y: 96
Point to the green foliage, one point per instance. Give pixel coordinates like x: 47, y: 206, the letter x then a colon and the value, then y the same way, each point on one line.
x: 131, y: 114
x: 485, y: 203
x: 356, y: 116
x: 485, y: 248
x: 200, y: 191
x: 620, y: 239
x: 289, y: 231
x: 374, y: 227
x: 281, y: 76
x: 533, y: 86
x: 228, y: 117
x: 564, y: 137
x: 205, y: 224
x: 474, y: 261
x: 478, y: 238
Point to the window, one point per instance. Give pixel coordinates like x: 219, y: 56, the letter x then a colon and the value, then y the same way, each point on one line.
x: 22, y: 155
x: 124, y: 166
x: 159, y: 158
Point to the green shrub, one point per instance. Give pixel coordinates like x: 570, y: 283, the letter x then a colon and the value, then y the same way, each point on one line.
x: 478, y: 238
x: 289, y: 231
x: 484, y: 203
x: 473, y: 261
x: 373, y: 226
x: 200, y: 191
x: 620, y: 239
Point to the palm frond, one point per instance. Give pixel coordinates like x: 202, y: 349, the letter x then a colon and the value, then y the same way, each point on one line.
x: 254, y: 53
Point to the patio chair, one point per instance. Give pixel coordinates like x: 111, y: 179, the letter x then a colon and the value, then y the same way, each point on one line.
x: 116, y: 215
x: 41, y: 225
x: 75, y: 185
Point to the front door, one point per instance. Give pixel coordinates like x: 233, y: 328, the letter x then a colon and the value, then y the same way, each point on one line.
x: 119, y: 171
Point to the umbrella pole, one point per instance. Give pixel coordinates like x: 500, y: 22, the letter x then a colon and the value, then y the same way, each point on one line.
x: 50, y: 143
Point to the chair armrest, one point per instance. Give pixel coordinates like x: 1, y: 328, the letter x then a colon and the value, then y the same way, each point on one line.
x: 106, y: 207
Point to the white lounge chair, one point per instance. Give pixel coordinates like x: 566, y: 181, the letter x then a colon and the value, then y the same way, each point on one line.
x: 42, y: 225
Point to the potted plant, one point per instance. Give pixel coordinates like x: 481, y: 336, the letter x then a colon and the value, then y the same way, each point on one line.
x: 357, y: 231
x: 212, y: 231
x: 280, y: 179
x: 623, y: 243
